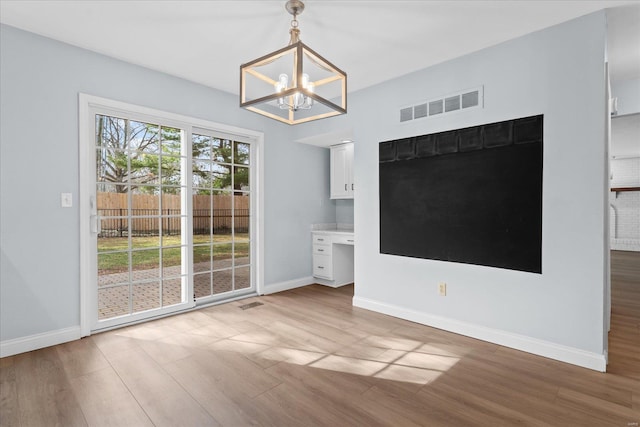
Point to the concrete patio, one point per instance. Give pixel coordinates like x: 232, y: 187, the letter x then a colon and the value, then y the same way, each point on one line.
x: 114, y: 293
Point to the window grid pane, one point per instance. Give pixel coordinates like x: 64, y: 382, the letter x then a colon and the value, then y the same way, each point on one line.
x: 221, y: 176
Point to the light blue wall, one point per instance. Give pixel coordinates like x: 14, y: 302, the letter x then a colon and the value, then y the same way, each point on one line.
x: 39, y: 241
x: 344, y: 211
x: 558, y: 72
x: 628, y: 94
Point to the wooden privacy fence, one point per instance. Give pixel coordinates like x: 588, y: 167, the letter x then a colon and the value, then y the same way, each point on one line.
x: 210, y: 213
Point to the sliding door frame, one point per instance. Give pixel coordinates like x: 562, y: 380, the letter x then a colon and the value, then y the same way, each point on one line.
x: 88, y: 107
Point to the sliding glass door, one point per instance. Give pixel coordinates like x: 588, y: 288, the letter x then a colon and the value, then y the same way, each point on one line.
x: 168, y: 213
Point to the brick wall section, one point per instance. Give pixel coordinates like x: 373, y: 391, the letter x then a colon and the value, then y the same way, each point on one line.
x: 625, y: 206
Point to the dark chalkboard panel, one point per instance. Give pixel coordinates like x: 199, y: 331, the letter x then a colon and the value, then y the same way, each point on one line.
x: 470, y: 195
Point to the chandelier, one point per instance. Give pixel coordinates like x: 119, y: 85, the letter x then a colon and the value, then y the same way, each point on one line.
x: 293, y: 84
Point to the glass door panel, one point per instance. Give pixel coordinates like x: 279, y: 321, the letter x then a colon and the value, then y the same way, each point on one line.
x: 140, y: 246
x: 221, y: 194
x: 242, y: 277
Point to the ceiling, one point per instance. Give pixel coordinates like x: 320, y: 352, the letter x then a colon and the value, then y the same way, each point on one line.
x: 373, y: 41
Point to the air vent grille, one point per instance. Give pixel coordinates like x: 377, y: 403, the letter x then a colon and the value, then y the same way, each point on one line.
x: 470, y: 99
x: 435, y: 107
x: 452, y: 103
x: 420, y: 111
x: 406, y: 114
x: 250, y: 305
x: 463, y: 100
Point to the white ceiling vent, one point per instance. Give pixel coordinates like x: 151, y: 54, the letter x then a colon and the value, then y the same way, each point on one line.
x: 463, y: 100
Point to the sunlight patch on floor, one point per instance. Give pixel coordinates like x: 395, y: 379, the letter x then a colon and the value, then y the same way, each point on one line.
x: 384, y: 357
x: 427, y: 361
x: 408, y: 374
x: 144, y: 332
x: 388, y: 358
x: 290, y: 355
x: 392, y: 342
x: 238, y: 346
x: 349, y: 365
x: 421, y: 366
x: 376, y: 354
x: 411, y: 367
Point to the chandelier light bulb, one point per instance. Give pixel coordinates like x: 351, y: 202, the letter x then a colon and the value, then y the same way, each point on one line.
x: 297, y: 101
x: 284, y: 80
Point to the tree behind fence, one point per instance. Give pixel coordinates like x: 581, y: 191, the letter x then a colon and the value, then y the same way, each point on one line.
x: 147, y: 214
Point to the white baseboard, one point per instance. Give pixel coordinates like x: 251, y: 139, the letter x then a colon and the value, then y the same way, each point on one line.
x: 332, y: 283
x: 38, y: 341
x: 289, y: 284
x: 586, y: 359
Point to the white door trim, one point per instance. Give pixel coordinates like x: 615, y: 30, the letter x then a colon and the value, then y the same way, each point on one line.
x: 88, y: 105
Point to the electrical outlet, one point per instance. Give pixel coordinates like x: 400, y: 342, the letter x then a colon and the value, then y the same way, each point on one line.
x: 442, y: 289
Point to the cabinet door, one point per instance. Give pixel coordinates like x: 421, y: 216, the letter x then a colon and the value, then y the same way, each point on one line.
x: 349, y: 172
x: 342, y: 171
x: 323, y: 266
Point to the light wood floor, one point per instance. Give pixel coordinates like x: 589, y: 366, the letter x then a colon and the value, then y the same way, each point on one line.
x: 307, y: 358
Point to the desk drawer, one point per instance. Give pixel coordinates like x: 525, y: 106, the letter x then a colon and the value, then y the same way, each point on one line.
x: 321, y: 249
x: 322, y: 266
x: 346, y: 239
x: 321, y: 239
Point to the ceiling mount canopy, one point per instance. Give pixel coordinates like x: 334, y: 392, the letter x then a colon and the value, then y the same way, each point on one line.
x: 293, y: 84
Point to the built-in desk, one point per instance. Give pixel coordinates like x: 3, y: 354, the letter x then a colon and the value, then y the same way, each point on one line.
x: 333, y: 257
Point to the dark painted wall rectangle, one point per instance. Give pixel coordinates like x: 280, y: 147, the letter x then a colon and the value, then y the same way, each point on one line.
x: 475, y: 196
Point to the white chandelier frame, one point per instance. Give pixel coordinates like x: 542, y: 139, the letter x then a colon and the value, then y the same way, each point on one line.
x: 301, y: 94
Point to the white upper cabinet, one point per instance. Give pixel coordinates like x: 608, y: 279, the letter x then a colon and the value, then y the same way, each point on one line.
x: 342, y: 171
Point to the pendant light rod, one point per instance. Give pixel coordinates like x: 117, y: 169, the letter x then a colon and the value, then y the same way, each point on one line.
x: 295, y: 8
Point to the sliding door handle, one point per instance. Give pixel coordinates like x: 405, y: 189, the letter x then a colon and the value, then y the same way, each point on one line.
x: 95, y: 225
x: 93, y: 205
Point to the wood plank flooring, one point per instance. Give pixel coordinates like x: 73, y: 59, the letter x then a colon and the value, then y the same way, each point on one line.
x: 306, y: 357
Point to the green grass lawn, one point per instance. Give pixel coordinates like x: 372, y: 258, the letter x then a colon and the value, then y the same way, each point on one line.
x: 147, y: 253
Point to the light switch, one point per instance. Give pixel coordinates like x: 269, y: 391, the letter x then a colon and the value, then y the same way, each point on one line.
x: 66, y: 200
